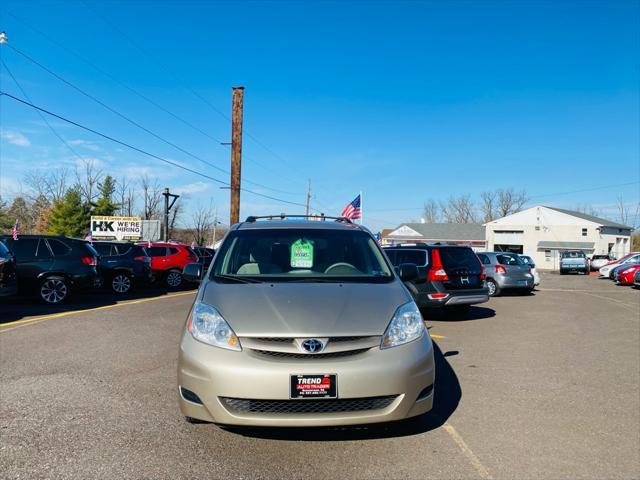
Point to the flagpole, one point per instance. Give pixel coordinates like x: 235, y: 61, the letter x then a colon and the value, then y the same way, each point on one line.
x: 361, y: 209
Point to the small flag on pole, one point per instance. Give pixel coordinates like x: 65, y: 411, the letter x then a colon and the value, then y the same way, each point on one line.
x: 378, y: 237
x: 193, y: 244
x: 149, y: 243
x: 89, y: 238
x: 15, y: 230
x: 352, y: 211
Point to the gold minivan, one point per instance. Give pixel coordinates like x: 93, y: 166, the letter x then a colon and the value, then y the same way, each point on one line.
x: 303, y: 323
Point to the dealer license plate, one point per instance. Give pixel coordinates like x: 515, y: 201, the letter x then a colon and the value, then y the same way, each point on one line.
x: 314, y: 386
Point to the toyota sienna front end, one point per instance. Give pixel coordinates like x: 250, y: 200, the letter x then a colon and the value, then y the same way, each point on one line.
x: 303, y: 323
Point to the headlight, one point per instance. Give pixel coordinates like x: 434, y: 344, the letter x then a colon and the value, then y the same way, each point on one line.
x: 405, y: 326
x: 627, y: 270
x: 207, y: 326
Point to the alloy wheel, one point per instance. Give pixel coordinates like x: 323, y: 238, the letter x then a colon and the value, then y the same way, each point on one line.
x: 53, y: 290
x: 121, y: 283
x: 492, y: 288
x: 174, y: 279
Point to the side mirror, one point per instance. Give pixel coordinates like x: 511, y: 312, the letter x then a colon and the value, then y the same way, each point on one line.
x: 192, y: 272
x: 408, y: 272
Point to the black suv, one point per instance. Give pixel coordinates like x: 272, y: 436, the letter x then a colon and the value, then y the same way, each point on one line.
x: 205, y: 256
x: 8, y: 282
x: 448, y: 275
x: 122, y: 264
x: 53, y: 265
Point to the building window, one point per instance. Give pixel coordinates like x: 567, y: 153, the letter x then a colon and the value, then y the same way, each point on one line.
x: 584, y: 232
x: 547, y: 255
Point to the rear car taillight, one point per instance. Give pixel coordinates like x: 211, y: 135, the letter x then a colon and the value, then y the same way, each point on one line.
x: 92, y: 261
x: 483, y: 275
x: 437, y: 272
x: 501, y: 269
x: 143, y: 259
x: 437, y: 296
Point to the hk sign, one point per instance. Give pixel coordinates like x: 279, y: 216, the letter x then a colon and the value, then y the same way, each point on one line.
x: 118, y: 227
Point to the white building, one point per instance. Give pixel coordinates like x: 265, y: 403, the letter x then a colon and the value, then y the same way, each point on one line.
x: 543, y: 232
x: 470, y: 234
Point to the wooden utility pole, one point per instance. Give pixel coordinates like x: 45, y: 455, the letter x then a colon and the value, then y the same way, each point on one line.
x: 236, y: 153
x: 306, y: 211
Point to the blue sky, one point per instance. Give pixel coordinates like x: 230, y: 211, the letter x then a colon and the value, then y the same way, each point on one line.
x: 404, y: 101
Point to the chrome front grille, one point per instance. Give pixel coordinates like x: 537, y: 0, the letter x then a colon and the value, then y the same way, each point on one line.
x: 242, y: 405
x: 309, y: 356
x: 289, y: 347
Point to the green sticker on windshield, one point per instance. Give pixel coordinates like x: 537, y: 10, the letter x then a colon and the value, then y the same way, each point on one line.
x: 302, y: 254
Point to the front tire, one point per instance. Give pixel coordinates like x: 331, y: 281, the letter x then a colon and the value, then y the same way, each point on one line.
x: 494, y: 288
x: 53, y: 290
x: 120, y: 283
x: 173, y: 279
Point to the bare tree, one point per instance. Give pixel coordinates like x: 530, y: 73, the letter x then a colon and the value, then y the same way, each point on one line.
x: 175, y: 214
x: 459, y: 210
x: 488, y: 205
x: 623, y: 211
x: 88, y: 178
x: 202, y: 220
x: 51, y: 184
x: 510, y: 201
x: 126, y: 197
x: 587, y: 209
x: 151, y: 194
x: 431, y: 213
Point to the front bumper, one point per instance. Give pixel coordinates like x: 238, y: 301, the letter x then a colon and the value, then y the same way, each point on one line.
x: 214, y: 374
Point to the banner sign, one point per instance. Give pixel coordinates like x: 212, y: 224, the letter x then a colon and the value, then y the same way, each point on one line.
x: 116, y: 227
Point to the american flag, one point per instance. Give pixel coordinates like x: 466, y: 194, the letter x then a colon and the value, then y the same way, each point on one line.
x: 15, y: 230
x: 352, y: 211
x: 89, y: 238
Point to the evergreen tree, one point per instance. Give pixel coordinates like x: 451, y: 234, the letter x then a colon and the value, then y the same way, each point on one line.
x: 105, y: 204
x: 21, y: 211
x: 5, y: 222
x: 69, y: 216
x: 40, y: 211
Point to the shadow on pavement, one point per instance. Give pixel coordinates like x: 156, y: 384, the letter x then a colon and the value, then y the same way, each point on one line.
x: 474, y: 313
x: 447, y: 397
x: 24, y: 306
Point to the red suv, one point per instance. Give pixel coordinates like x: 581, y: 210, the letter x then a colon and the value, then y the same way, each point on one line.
x: 168, y: 259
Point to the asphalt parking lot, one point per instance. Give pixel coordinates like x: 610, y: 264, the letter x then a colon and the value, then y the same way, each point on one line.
x: 537, y: 386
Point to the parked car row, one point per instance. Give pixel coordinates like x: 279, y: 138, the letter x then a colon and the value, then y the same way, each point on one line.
x: 455, y: 277
x: 624, y: 271
x: 52, y: 267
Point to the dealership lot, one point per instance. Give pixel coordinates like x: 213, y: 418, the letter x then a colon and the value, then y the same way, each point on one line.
x: 539, y: 386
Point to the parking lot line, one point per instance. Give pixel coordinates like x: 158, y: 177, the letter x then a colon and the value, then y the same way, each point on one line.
x: 28, y: 321
x: 586, y: 292
x: 473, y: 459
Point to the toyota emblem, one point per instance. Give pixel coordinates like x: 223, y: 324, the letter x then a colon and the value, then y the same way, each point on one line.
x: 312, y: 345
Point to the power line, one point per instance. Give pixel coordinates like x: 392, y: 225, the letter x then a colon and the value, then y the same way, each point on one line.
x: 183, y: 83
x: 139, y: 150
x: 137, y: 93
x: 44, y: 119
x: 131, y: 121
x: 109, y: 75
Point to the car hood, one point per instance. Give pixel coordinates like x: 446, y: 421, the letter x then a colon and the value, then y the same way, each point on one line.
x: 306, y: 309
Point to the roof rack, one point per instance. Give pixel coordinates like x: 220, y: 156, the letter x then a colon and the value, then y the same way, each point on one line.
x: 322, y: 217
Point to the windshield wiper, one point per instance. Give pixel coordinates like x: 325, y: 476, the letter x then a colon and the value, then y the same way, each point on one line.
x: 238, y: 279
x: 314, y: 280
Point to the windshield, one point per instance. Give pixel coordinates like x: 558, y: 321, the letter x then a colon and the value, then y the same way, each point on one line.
x: 509, y: 259
x: 301, y: 254
x: 573, y: 255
